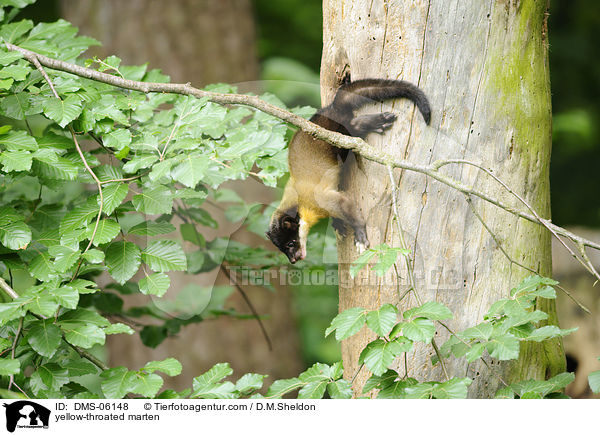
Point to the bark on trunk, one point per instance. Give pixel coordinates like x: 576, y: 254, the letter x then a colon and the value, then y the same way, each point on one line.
x: 202, y: 41
x: 484, y: 67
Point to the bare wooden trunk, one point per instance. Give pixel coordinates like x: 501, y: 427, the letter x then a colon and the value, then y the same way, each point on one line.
x: 202, y: 41
x: 484, y: 67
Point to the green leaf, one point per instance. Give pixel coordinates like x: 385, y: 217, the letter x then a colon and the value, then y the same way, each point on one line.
x: 81, y: 367
x: 419, y: 329
x: 169, y: 366
x: 10, y: 311
x: 64, y: 257
x: 15, y: 161
x: 340, y: 389
x: 455, y: 388
x: 48, y: 377
x: 119, y: 328
x: 503, y: 347
x: 379, y: 354
x: 225, y: 390
x: 150, y: 228
x: 106, y: 231
x: 84, y: 335
x: 191, y: 170
x: 62, y: 111
x: 117, y: 382
x: 122, y: 260
x: 382, y: 320
x: 155, y: 284
x: 385, y: 260
x: 139, y: 162
x: 164, y: 256
x: 146, y: 385
x: 249, y: 383
x: 66, y: 296
x: 12, y: 32
x: 212, y: 376
x: 475, y: 352
x: 75, y: 318
x: 41, y: 267
x: 15, y: 235
x: 380, y: 382
x: 317, y: 372
x: 44, y: 337
x: 547, y: 332
x: 42, y: 303
x: 94, y: 256
x: 361, y: 262
x: 429, y: 310
x: 18, y: 140
x: 158, y: 200
x: 16, y: 72
x: 347, y: 323
x: 483, y: 331
x: 78, y: 217
x: 397, y: 390
x: 594, y: 380
x: 113, y: 196
x: 281, y: 387
x: 313, y: 390
x: 117, y: 139
x: 9, y: 366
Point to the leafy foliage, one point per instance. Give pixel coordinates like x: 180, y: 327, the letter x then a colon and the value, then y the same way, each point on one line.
x: 156, y: 156
x: 508, y: 322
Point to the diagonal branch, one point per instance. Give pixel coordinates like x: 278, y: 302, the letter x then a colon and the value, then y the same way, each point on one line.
x: 355, y: 144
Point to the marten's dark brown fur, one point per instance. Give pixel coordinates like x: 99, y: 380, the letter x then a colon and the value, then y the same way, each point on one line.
x: 312, y: 192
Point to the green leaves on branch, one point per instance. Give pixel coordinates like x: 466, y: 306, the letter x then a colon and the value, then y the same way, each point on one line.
x: 508, y: 322
x: 386, y: 258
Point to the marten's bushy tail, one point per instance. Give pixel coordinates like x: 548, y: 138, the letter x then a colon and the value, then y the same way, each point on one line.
x: 351, y: 96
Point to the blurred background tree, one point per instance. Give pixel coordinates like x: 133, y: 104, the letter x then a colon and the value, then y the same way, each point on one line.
x: 288, y: 47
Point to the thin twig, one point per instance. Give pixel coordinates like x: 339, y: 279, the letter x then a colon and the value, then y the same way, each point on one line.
x: 21, y: 390
x: 586, y: 264
x: 249, y: 304
x: 12, y: 350
x: 84, y: 354
x: 409, y: 266
x: 513, y: 261
x: 8, y: 289
x: 121, y: 180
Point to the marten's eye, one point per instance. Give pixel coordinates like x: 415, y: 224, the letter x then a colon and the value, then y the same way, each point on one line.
x: 291, y: 244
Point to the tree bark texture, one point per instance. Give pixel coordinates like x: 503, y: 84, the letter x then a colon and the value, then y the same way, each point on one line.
x: 484, y: 67
x: 200, y: 41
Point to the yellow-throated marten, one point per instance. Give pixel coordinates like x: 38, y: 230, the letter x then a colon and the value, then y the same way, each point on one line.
x: 313, y: 192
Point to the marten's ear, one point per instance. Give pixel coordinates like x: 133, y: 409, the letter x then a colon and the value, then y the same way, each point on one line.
x: 288, y: 222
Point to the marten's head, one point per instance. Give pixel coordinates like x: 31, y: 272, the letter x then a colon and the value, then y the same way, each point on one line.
x: 284, y: 232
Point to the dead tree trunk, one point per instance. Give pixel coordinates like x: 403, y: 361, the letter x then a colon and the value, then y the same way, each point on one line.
x: 484, y: 67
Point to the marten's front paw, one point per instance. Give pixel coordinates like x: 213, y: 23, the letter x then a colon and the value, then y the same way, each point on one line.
x: 361, y: 241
